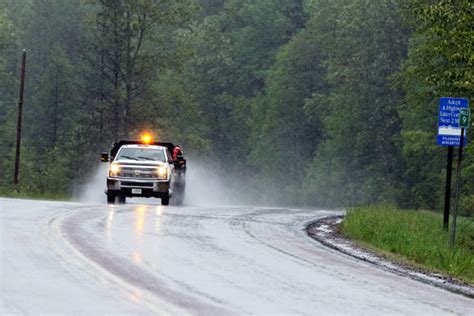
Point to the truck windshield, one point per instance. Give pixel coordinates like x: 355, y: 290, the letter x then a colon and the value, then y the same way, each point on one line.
x: 141, y: 154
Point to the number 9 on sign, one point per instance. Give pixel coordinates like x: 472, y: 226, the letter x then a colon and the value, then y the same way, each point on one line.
x: 464, y: 116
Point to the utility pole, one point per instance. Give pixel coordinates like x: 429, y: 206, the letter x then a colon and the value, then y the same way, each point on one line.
x: 20, y: 115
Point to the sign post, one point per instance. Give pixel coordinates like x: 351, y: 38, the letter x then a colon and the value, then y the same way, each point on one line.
x: 449, y: 135
x: 464, y: 116
x: 447, y: 191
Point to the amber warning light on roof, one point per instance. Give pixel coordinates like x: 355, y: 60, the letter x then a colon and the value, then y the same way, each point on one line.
x: 146, y: 138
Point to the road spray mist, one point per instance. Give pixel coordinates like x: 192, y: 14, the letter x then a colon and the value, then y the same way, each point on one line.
x: 93, y: 190
x: 205, y: 186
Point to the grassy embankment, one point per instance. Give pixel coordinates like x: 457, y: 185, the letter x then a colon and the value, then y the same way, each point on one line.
x: 414, y: 237
x: 24, y: 194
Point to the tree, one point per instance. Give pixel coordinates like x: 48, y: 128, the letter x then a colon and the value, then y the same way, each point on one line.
x: 439, y: 63
x: 8, y: 47
x: 284, y: 136
x: 127, y: 51
x: 211, y: 7
x: 233, y: 51
x: 358, y: 159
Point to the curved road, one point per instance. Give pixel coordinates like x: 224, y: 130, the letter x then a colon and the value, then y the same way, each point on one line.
x: 73, y: 258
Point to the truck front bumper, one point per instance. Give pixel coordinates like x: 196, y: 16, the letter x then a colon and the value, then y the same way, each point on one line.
x: 134, y: 187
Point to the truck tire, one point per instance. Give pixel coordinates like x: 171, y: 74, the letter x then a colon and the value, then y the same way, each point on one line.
x: 178, y: 197
x: 165, y: 200
x: 178, y: 200
x: 122, y: 199
x: 110, y: 199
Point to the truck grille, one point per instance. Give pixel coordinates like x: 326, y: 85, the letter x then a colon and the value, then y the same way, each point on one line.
x: 137, y: 184
x: 137, y: 172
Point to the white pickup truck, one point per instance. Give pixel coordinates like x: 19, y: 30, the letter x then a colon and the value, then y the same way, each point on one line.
x: 144, y: 170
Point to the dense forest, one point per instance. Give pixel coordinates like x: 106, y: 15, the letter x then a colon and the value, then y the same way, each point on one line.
x: 313, y: 102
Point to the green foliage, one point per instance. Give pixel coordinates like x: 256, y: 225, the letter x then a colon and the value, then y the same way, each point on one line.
x: 313, y: 102
x: 86, y: 62
x: 256, y: 29
x: 208, y: 81
x: 232, y: 52
x: 359, y: 153
x: 439, y: 64
x: 285, y: 137
x: 8, y: 45
x: 416, y: 236
x: 422, y: 178
x: 128, y: 47
x: 442, y: 46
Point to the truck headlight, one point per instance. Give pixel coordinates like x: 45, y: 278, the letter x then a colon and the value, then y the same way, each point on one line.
x: 162, y: 172
x: 114, y: 170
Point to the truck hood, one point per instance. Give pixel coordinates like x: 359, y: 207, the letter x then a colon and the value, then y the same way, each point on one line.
x: 140, y: 163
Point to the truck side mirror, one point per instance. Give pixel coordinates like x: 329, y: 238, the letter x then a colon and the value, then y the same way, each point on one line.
x: 104, y: 157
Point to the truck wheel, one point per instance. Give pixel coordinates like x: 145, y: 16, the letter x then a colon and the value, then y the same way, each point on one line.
x: 110, y: 199
x: 122, y: 199
x: 165, y: 201
x: 178, y: 200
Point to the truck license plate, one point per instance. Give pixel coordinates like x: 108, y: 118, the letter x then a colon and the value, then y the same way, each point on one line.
x: 136, y: 191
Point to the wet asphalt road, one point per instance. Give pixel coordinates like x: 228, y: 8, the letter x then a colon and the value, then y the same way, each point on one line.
x: 73, y: 258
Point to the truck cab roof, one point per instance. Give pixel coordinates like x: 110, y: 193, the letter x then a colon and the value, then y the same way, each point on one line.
x: 117, y: 146
x: 142, y: 153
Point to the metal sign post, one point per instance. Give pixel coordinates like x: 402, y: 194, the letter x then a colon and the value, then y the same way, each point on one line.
x: 464, y: 123
x: 447, y: 192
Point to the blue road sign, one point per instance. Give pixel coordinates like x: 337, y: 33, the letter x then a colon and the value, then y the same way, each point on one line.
x: 449, y: 131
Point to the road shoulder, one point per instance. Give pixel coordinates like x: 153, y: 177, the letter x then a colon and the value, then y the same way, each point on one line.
x: 325, y: 231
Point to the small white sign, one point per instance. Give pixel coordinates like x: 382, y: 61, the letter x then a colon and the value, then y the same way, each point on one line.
x: 451, y: 131
x: 136, y: 191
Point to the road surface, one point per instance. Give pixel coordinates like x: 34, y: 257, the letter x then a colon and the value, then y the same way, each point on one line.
x: 94, y: 259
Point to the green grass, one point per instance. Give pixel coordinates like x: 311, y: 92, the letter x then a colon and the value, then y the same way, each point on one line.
x: 24, y: 194
x: 415, y: 237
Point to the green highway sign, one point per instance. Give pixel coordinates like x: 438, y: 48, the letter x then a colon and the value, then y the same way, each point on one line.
x: 464, y: 117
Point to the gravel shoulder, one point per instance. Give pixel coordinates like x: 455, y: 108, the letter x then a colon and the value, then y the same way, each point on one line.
x: 326, y: 232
